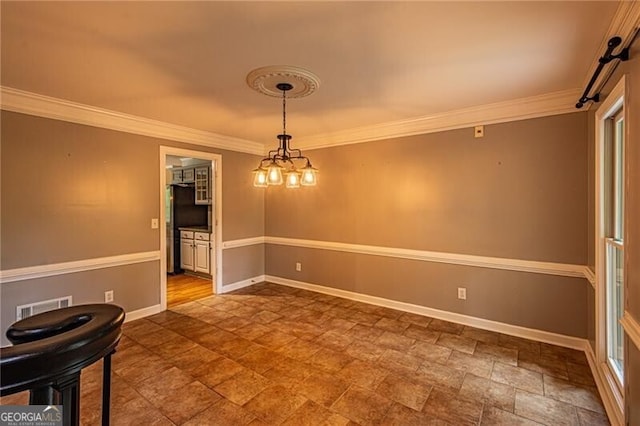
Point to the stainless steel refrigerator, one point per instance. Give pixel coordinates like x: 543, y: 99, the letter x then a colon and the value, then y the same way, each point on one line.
x: 181, y: 211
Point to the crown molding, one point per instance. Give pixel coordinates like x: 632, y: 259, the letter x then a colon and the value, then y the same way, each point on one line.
x: 624, y: 24
x: 555, y: 103
x: 24, y: 102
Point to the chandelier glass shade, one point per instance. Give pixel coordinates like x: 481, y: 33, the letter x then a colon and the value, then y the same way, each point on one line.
x: 285, y: 164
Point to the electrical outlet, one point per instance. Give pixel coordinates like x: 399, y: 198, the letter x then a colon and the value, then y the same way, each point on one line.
x: 478, y: 131
x: 108, y: 296
x: 298, y: 266
x: 462, y: 293
x: 154, y: 223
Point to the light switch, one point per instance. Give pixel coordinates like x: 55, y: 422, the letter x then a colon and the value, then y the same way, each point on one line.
x: 154, y: 223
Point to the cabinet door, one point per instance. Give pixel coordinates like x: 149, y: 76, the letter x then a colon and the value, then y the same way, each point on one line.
x: 202, y: 257
x: 202, y: 186
x: 176, y: 176
x: 187, y: 175
x: 186, y: 254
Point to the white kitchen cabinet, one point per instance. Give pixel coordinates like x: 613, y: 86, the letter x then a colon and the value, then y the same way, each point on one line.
x: 195, y: 252
x: 202, y: 257
x: 186, y: 251
x: 176, y: 175
x: 203, y: 190
x: 188, y: 175
x: 183, y: 175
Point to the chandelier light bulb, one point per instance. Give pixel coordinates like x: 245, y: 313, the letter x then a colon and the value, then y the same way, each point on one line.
x: 274, y: 172
x: 309, y: 175
x: 260, y: 177
x: 293, y: 179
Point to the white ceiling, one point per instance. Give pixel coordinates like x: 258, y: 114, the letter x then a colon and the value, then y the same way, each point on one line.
x: 185, y: 62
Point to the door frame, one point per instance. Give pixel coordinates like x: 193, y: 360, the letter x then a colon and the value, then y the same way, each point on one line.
x: 216, y: 254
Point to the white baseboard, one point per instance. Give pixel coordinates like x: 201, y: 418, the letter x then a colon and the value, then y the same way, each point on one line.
x: 612, y: 403
x: 152, y: 310
x: 242, y: 284
x: 144, y: 312
x: 512, y: 330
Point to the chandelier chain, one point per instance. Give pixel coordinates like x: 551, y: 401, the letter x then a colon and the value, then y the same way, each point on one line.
x: 284, y: 112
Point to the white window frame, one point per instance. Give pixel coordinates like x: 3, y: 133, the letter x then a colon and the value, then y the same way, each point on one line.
x: 614, y: 102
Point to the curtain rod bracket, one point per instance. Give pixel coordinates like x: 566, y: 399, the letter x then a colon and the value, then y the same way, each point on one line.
x: 608, y: 56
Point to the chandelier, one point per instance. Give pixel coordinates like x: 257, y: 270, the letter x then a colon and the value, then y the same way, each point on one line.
x: 284, y: 164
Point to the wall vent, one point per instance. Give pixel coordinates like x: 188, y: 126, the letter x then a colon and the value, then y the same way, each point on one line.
x: 25, y: 311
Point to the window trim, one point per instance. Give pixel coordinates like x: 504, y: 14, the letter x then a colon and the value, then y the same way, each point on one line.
x: 614, y: 102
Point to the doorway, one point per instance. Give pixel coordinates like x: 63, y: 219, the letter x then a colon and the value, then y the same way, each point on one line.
x: 191, y: 253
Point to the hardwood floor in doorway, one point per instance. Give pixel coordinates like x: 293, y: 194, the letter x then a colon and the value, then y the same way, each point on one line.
x: 184, y: 288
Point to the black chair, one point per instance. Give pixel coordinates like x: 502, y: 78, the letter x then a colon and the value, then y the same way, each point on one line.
x: 50, y: 350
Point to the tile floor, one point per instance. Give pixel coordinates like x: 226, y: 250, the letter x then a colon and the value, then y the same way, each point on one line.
x: 271, y: 355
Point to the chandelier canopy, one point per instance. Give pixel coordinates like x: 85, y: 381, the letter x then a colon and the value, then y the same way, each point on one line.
x: 284, y: 164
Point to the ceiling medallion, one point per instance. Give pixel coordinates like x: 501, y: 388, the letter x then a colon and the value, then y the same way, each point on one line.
x: 266, y: 79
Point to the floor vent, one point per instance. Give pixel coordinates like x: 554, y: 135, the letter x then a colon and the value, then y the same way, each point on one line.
x: 25, y: 311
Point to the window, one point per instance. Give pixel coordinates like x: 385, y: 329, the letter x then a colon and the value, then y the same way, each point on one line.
x: 614, y: 240
x: 610, y: 225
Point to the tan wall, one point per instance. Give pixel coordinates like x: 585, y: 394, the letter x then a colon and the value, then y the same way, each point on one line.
x: 591, y: 189
x: 134, y: 287
x: 591, y: 317
x: 591, y: 220
x: 73, y: 192
x: 242, y: 263
x: 520, y: 192
x: 543, y: 302
x: 632, y: 200
x: 632, y: 231
x: 632, y: 371
x: 243, y: 205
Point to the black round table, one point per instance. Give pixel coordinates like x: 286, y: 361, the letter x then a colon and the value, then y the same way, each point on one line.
x: 50, y: 350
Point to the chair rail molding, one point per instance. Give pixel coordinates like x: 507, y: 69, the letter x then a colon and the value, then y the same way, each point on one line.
x: 42, y: 271
x: 590, y: 276
x: 632, y: 328
x: 549, y: 268
x: 243, y: 242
